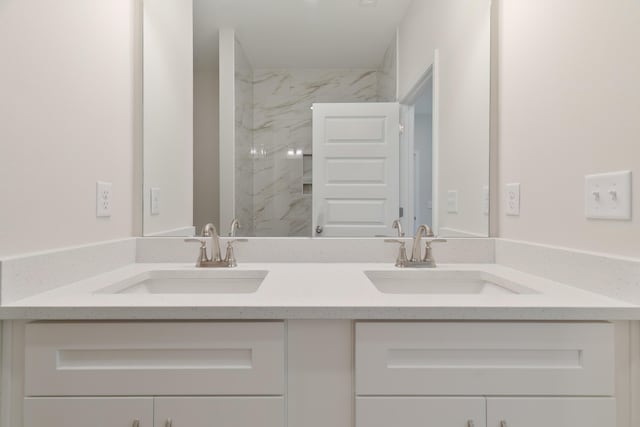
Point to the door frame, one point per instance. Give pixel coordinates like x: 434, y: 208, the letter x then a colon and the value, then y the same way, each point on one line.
x: 432, y: 73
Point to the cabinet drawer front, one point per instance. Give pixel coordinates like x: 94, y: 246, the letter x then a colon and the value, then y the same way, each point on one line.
x: 88, y: 411
x: 154, y: 358
x: 488, y: 358
x: 420, y: 411
x: 551, y: 412
x: 219, y: 411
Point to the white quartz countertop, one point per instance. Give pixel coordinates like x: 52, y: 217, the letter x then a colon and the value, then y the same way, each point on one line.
x: 319, y: 291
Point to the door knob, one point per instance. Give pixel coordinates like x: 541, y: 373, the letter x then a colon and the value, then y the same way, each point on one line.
x: 318, y: 230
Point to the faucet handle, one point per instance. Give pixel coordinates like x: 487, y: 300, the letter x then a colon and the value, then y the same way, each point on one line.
x: 394, y: 241
x: 230, y: 257
x: 196, y: 240
x: 401, y: 260
x: 237, y: 240
x: 436, y: 240
x: 202, y: 253
x: 428, y: 254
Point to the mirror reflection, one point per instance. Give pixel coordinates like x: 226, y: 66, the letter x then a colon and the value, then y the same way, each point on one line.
x: 316, y: 118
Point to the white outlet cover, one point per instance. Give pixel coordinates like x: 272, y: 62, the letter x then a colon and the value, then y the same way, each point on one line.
x: 608, y: 195
x: 512, y: 199
x: 103, y: 199
x: 155, y: 201
x: 452, y: 201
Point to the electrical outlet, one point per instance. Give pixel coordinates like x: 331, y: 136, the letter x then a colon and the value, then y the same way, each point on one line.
x: 103, y: 199
x: 608, y: 195
x: 452, y: 201
x: 512, y: 199
x: 155, y: 201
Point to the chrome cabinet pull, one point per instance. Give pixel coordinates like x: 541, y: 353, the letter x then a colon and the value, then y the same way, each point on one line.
x: 136, y: 423
x: 319, y: 230
x: 168, y: 423
x: 470, y: 423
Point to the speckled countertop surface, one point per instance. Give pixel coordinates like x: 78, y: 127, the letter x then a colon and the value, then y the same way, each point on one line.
x: 319, y: 291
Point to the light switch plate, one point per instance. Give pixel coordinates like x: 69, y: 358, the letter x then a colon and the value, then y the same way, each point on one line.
x: 155, y: 201
x: 512, y: 199
x: 608, y: 195
x: 103, y: 199
x: 452, y: 201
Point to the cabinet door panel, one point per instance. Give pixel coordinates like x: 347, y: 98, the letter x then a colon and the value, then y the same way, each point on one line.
x: 420, y: 412
x: 219, y: 411
x: 551, y: 412
x: 88, y: 411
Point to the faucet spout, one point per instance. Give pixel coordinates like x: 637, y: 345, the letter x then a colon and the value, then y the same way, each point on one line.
x: 235, y: 225
x: 210, y: 231
x: 422, y: 231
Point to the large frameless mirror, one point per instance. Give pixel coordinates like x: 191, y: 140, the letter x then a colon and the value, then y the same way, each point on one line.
x: 316, y: 118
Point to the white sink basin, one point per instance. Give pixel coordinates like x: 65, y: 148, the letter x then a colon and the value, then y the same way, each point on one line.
x: 189, y: 282
x: 443, y: 282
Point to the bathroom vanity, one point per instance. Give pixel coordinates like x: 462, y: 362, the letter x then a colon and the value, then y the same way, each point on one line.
x: 236, y: 373
x: 364, y: 344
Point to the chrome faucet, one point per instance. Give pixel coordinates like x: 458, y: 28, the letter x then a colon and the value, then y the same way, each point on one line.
x: 210, y: 231
x: 417, y: 259
x: 422, y: 230
x: 214, y: 260
x: 398, y: 226
x: 235, y: 225
x: 401, y: 260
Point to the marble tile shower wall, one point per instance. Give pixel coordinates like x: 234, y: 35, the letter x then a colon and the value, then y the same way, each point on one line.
x: 387, y: 74
x: 282, y: 134
x: 244, y: 143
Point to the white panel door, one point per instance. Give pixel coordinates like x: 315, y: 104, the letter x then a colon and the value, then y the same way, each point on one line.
x: 355, y: 168
x: 219, y: 412
x: 551, y: 412
x: 420, y: 412
x: 88, y: 411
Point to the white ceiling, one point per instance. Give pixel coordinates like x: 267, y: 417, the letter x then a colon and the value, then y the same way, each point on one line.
x: 299, y: 33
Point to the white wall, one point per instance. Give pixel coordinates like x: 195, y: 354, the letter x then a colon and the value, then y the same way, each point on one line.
x: 569, y: 102
x: 68, y: 111
x: 206, y: 180
x: 168, y: 113
x: 460, y: 31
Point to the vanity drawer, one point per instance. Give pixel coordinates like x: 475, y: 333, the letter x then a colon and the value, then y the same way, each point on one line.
x: 154, y: 358
x: 484, y: 358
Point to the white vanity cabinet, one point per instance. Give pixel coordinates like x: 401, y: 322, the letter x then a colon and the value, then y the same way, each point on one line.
x: 551, y: 374
x: 154, y: 374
